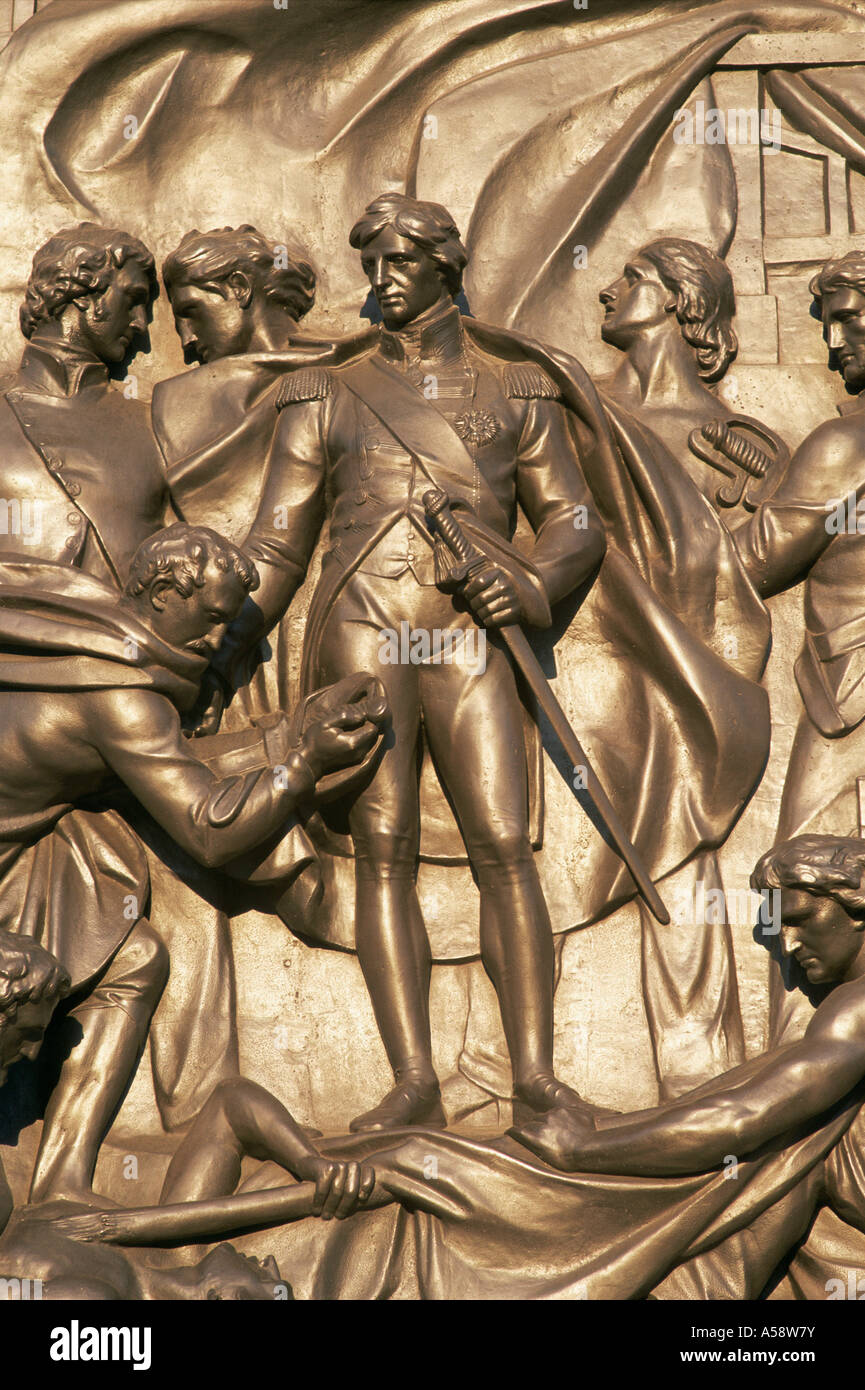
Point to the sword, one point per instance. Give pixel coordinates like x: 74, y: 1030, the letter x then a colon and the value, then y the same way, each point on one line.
x: 469, y: 562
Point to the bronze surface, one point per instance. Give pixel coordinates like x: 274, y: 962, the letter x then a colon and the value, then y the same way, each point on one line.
x: 432, y: 650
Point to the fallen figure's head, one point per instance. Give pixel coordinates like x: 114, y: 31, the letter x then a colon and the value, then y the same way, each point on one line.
x: 821, y: 883
x: 32, y: 983
x: 61, y: 1244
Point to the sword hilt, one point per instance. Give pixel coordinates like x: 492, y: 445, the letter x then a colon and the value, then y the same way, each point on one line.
x: 469, y: 560
x: 753, y: 467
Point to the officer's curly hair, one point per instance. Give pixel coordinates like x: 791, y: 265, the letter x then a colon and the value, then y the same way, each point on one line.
x: 429, y: 225
x: 845, y: 272
x: 78, y: 261
x: 209, y: 258
x: 179, y: 555
x: 827, y: 866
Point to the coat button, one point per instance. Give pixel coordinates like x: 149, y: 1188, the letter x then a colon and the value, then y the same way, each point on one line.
x: 72, y: 542
x: 53, y: 463
x: 73, y: 489
x: 74, y: 518
x: 373, y: 442
x: 360, y: 497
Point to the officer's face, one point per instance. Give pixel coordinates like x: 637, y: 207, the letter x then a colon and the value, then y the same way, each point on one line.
x: 404, y: 279
x: 822, y: 936
x: 636, y: 302
x: 844, y: 331
x: 198, y: 623
x: 109, y: 322
x: 211, y: 321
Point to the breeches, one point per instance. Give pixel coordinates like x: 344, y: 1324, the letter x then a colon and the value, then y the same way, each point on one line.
x: 471, y: 716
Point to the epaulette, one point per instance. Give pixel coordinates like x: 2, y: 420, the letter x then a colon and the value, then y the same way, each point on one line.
x: 526, y: 381
x: 306, y: 384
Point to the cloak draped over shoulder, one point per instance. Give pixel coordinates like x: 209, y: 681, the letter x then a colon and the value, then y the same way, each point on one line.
x: 75, y: 878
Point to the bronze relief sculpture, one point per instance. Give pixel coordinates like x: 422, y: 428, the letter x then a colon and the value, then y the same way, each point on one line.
x: 430, y: 653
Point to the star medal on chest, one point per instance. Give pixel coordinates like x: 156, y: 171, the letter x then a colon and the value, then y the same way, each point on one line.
x: 477, y: 427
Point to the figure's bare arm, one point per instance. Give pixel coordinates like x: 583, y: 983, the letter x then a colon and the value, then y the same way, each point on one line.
x: 243, y: 1118
x: 765, y: 1100
x: 792, y: 528
x: 613, y: 1119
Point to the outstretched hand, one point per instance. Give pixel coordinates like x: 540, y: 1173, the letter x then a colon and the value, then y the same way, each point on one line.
x: 344, y: 735
x: 341, y: 740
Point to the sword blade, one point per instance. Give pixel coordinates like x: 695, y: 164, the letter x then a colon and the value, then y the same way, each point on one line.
x: 437, y: 504
x: 519, y: 648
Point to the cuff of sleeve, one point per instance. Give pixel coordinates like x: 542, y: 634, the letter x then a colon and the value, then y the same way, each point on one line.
x: 300, y: 778
x: 277, y: 739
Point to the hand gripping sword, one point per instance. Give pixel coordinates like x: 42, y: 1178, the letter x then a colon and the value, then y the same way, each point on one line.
x: 469, y: 562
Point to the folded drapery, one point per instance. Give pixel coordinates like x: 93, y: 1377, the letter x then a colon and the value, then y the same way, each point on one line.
x: 483, y: 1220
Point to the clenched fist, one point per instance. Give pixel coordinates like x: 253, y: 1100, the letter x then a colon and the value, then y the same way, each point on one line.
x: 493, y: 598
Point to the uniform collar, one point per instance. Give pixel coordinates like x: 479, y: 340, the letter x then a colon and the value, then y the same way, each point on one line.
x: 435, y: 336
x: 61, y: 370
